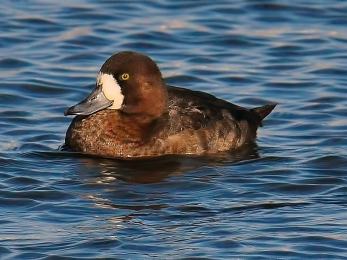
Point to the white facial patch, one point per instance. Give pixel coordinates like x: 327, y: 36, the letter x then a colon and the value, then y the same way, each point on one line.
x: 111, y: 89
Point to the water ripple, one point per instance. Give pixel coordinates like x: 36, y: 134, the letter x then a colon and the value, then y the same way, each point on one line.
x: 282, y: 198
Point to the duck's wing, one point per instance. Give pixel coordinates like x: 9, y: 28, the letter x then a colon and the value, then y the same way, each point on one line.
x: 189, y: 109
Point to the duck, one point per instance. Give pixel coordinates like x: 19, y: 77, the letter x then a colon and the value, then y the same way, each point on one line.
x: 133, y: 113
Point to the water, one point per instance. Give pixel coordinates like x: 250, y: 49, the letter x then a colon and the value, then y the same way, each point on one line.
x: 284, y: 198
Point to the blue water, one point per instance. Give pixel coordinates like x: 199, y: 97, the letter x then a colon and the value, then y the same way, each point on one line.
x: 285, y: 198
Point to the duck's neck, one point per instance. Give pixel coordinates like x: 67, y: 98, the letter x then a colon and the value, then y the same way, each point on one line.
x: 148, y: 104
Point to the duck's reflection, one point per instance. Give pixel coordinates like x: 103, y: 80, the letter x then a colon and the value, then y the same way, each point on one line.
x: 152, y: 183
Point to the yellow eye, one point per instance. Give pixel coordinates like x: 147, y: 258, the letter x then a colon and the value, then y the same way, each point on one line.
x: 124, y: 76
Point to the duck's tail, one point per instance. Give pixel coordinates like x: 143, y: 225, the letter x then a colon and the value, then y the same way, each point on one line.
x: 263, y: 111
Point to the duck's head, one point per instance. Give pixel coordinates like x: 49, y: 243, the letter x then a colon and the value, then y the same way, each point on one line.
x: 130, y: 82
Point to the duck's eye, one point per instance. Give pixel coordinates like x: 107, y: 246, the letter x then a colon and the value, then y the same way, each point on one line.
x: 124, y: 76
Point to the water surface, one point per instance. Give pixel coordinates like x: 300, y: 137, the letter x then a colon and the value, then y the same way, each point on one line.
x: 282, y: 199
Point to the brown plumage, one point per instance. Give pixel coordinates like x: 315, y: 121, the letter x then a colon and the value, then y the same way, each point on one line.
x: 150, y: 118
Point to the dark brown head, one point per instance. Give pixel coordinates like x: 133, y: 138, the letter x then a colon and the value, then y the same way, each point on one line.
x: 130, y: 82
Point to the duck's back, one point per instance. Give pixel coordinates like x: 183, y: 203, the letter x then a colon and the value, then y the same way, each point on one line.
x: 199, y: 122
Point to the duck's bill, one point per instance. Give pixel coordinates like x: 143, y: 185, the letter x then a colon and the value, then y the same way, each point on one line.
x: 95, y: 102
